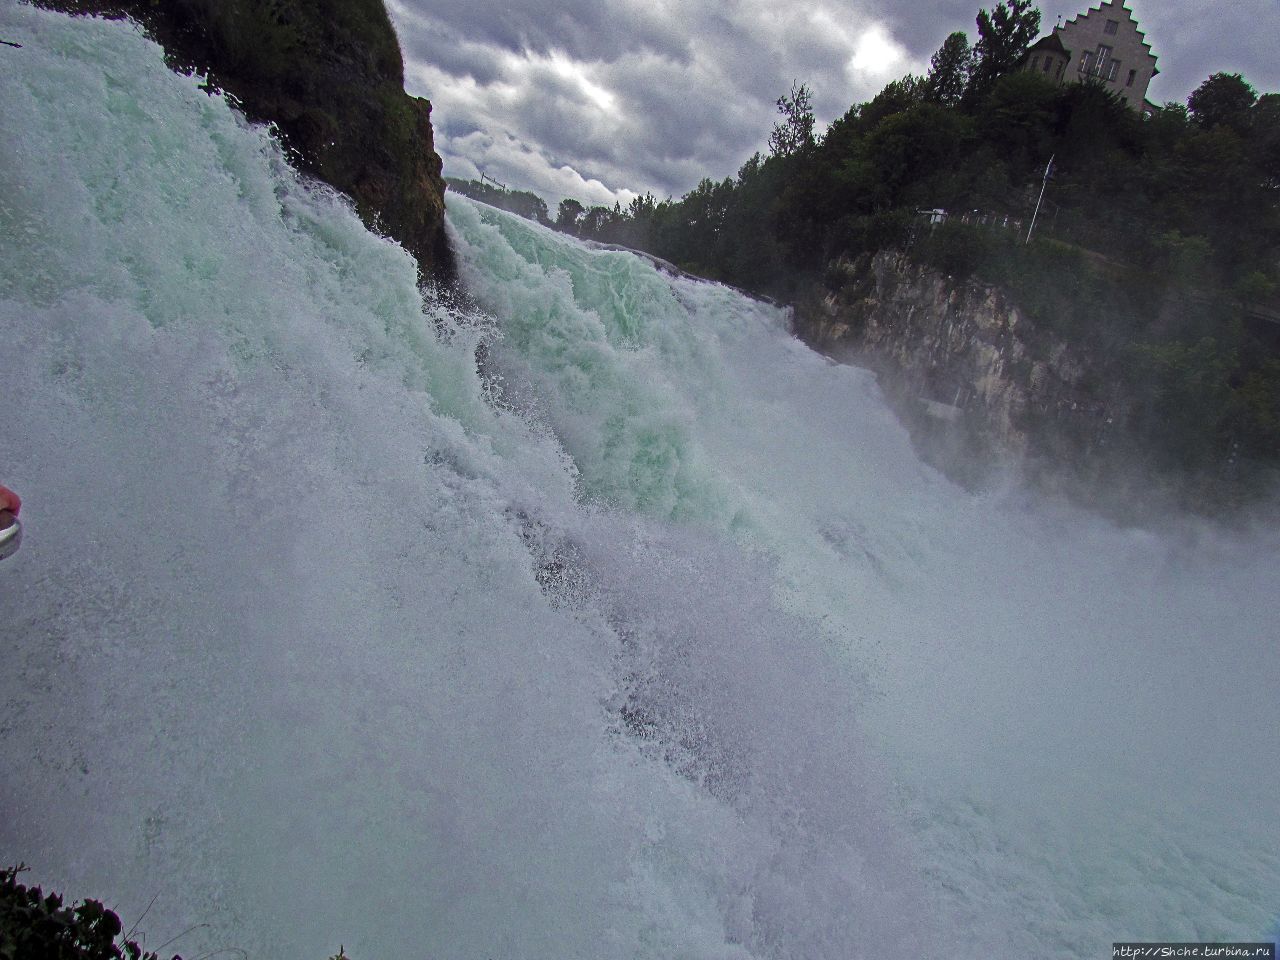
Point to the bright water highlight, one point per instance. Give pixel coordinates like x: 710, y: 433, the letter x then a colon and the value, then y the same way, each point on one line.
x: 647, y: 635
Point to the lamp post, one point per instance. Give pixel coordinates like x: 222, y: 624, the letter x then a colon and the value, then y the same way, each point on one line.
x: 1044, y: 183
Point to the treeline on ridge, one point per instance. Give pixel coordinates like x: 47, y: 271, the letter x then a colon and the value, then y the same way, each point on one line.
x: 1183, y: 203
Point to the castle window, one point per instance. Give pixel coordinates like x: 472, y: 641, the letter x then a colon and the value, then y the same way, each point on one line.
x: 1133, y: 75
x: 1113, y: 68
x: 1112, y: 27
x: 1048, y: 62
x: 1101, y: 63
x: 1035, y: 62
x: 1086, y: 62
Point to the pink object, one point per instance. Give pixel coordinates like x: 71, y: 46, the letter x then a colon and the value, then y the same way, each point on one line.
x: 10, y: 501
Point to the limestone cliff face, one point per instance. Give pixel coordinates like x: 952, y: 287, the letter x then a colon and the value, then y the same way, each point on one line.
x: 958, y: 358
x: 329, y: 75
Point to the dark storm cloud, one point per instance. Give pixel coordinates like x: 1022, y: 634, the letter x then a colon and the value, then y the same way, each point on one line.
x: 600, y: 99
x: 921, y: 28
x: 679, y: 131
x: 582, y: 29
x: 1194, y: 41
x: 648, y: 96
x: 434, y: 43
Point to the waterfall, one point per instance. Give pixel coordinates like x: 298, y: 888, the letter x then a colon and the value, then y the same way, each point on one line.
x: 599, y: 619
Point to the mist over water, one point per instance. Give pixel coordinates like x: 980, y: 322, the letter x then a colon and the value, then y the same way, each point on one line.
x: 650, y: 638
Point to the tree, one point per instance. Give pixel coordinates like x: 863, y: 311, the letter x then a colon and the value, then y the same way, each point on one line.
x: 1003, y: 37
x: 1092, y: 122
x: 906, y: 159
x: 795, y: 133
x: 596, y: 223
x: 1223, y: 99
x: 1018, y: 120
x: 949, y: 71
x: 567, y: 215
x: 1264, y: 135
x: 641, y: 207
x: 530, y: 205
x: 896, y: 97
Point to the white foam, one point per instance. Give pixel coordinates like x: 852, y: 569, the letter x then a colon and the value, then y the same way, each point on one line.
x: 674, y: 650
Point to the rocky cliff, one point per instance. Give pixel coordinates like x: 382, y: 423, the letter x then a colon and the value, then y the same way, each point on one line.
x: 329, y: 75
x: 980, y: 385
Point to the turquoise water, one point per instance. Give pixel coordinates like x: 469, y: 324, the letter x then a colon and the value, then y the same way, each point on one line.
x: 649, y: 638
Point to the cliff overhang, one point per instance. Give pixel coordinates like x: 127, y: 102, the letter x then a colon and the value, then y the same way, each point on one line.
x: 328, y: 74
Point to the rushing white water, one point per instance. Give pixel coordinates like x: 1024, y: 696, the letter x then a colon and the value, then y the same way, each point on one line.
x: 652, y: 638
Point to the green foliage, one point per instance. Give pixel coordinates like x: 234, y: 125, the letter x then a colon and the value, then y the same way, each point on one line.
x: 1003, y: 37
x: 520, y: 202
x: 1206, y: 393
x: 1255, y: 287
x: 1094, y: 134
x: 1190, y: 407
x: 896, y: 97
x: 957, y: 249
x: 36, y: 925
x: 1257, y: 412
x: 1063, y: 288
x: 949, y: 71
x: 1019, y: 120
x: 898, y: 164
x: 1185, y: 260
x: 871, y: 232
x: 1188, y: 202
x: 568, y: 215
x: 1224, y: 98
x: 1264, y: 139
x: 266, y: 41
x: 795, y: 132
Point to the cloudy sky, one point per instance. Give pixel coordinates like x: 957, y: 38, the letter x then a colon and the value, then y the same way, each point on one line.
x: 602, y: 99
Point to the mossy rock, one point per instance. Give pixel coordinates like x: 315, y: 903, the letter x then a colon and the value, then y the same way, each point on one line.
x: 330, y: 76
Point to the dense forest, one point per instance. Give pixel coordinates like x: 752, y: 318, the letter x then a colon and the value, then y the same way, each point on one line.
x: 1181, y: 203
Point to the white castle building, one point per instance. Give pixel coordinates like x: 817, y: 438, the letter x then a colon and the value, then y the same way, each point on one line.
x: 1103, y: 44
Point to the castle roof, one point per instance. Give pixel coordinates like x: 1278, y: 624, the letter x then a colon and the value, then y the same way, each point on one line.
x: 1142, y: 37
x: 1049, y: 44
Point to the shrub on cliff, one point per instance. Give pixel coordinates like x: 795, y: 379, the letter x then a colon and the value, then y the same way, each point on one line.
x: 957, y: 249
x: 35, y: 925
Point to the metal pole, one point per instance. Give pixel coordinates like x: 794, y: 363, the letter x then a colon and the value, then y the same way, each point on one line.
x: 1044, y: 183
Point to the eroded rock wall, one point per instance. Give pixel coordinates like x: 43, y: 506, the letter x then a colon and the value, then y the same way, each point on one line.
x: 963, y: 364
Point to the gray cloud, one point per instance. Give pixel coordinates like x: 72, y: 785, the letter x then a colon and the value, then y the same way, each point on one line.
x: 1194, y: 41
x: 583, y: 29
x: 602, y: 99
x: 921, y: 29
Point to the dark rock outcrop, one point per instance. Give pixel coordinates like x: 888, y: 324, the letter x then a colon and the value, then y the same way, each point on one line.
x: 1124, y: 414
x: 980, y: 385
x: 329, y: 75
